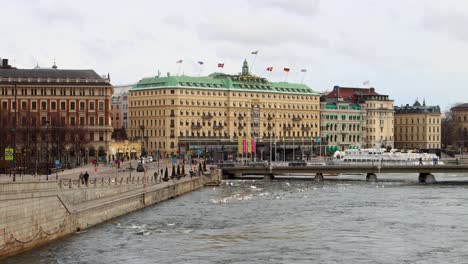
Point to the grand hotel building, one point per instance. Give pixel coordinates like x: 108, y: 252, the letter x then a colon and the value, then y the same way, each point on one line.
x: 193, y: 115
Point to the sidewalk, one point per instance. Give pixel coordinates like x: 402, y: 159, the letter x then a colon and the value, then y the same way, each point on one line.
x: 101, y: 171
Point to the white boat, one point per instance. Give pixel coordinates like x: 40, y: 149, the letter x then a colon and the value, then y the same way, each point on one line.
x: 383, y: 157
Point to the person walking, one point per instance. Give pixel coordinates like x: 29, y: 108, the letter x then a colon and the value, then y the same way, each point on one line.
x: 86, y: 177
x: 81, y: 177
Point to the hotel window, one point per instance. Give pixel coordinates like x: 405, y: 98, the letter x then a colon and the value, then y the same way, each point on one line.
x: 82, y: 106
x: 62, y: 106
x: 72, y: 106
x: 91, y: 120
x: 91, y: 106
x: 23, y: 105
x: 43, y: 105
x: 33, y: 105
x: 72, y: 120
x: 91, y: 136
x: 82, y: 120
x: 53, y: 105
x: 101, y: 136
x: 101, y: 106
x: 101, y: 120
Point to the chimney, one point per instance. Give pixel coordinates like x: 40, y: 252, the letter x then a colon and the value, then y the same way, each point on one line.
x: 372, y: 89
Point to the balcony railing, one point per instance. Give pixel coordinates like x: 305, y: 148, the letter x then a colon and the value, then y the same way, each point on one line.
x: 207, y: 117
x: 269, y: 127
x: 196, y: 126
x: 287, y: 128
x: 270, y: 118
x: 241, y: 117
x: 240, y: 127
x: 305, y: 128
x: 295, y: 119
x: 217, y: 127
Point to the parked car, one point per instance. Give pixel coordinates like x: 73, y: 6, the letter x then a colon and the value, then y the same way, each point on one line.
x: 297, y: 163
x: 149, y: 159
x: 140, y: 167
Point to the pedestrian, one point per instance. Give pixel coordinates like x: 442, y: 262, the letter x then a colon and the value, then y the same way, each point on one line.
x: 162, y: 171
x: 420, y: 161
x: 81, y: 177
x: 86, y: 177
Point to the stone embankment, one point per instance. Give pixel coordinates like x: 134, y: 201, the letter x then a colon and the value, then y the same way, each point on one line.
x: 35, y: 213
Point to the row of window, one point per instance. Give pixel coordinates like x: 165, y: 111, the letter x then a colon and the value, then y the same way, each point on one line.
x: 406, y: 121
x: 220, y: 93
x: 53, y: 105
x: 417, y: 129
x: 53, y: 91
x: 417, y: 137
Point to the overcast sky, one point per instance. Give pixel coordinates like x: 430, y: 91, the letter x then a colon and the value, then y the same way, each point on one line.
x: 406, y: 48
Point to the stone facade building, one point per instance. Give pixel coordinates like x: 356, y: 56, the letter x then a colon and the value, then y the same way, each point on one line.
x: 56, y: 114
x: 357, y: 117
x: 417, y: 126
x: 195, y: 115
x: 460, y: 120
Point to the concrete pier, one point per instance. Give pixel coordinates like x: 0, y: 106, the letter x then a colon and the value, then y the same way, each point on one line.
x: 426, y: 178
x: 318, y: 177
x: 371, y: 177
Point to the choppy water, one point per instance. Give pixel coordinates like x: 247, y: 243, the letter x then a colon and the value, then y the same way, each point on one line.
x: 340, y: 221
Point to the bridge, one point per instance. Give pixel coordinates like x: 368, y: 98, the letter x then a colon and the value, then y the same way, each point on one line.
x: 371, y: 171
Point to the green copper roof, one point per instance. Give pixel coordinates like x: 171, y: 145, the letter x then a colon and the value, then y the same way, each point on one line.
x: 224, y: 82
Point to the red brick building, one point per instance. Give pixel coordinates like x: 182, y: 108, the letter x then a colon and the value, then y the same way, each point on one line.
x: 60, y: 115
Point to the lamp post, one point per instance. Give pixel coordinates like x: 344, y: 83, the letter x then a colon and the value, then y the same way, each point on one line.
x: 14, y: 135
x: 47, y: 148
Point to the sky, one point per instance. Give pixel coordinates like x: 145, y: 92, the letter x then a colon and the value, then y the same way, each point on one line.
x: 408, y: 49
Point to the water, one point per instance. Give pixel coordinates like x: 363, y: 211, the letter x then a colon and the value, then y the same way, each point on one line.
x: 395, y: 220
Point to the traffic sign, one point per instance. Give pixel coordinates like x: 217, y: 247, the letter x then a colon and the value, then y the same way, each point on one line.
x: 9, y: 154
x: 57, y: 164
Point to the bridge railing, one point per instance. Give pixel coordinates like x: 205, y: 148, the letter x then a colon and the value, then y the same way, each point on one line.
x: 107, y: 181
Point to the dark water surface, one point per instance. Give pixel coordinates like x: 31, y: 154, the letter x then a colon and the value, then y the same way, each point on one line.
x: 395, y: 220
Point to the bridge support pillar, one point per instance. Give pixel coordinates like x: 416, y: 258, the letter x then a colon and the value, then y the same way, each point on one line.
x: 371, y: 177
x: 425, y: 177
x: 318, y: 177
x: 268, y: 177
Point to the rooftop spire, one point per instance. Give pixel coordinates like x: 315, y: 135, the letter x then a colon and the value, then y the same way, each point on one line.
x: 245, y: 68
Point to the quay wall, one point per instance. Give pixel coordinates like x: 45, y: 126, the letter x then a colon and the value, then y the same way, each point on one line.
x: 35, y: 213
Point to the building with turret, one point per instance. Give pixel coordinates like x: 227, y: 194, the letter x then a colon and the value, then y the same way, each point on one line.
x: 218, y: 115
x: 417, y: 126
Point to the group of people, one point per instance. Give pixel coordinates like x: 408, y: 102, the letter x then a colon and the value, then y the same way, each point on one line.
x: 84, y: 177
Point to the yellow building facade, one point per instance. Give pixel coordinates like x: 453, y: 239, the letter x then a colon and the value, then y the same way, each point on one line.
x: 418, y: 126
x: 200, y: 115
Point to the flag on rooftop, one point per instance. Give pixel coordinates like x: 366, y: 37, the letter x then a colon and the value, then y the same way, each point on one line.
x: 201, y: 62
x: 270, y: 69
x: 286, y: 69
x: 304, y: 70
x: 255, y: 52
x: 179, y: 61
x: 220, y: 65
x: 366, y: 82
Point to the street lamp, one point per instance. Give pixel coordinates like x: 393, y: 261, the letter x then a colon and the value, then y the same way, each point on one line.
x: 47, y: 148
x: 14, y: 135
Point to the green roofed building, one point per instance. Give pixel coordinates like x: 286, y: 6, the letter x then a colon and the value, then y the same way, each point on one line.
x: 208, y: 115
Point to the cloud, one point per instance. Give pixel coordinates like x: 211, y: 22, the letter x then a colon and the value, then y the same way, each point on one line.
x: 451, y: 22
x: 300, y: 7
x: 261, y: 32
x: 56, y: 13
x: 175, y: 21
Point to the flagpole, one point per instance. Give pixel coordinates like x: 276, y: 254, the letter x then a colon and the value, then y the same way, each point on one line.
x: 303, y: 76
x: 253, y: 63
x: 178, y: 70
x: 286, y: 77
